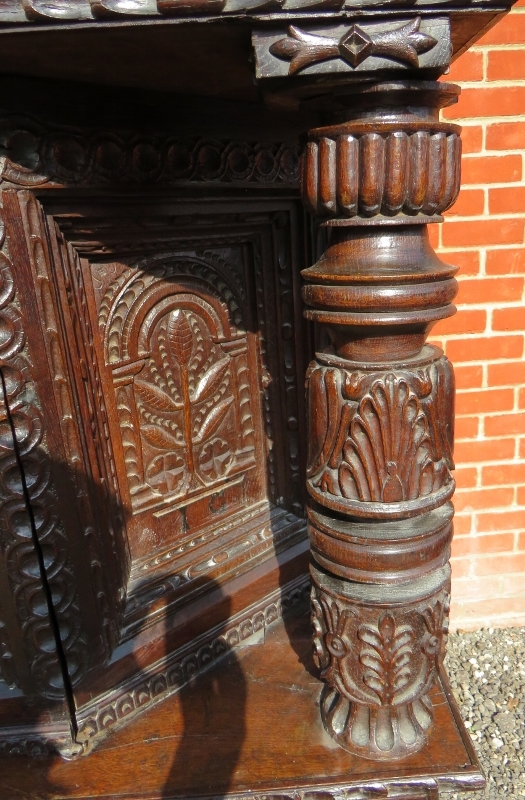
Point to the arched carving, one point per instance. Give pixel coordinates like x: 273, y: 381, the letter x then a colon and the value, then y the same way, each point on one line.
x: 174, y: 338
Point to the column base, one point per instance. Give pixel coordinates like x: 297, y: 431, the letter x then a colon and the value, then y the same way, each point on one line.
x: 380, y: 734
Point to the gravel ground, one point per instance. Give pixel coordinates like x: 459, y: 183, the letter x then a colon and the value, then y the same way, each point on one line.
x: 487, y: 672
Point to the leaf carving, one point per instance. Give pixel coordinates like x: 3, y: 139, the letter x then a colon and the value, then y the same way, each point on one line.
x: 388, y: 663
x: 211, y: 380
x: 155, y: 397
x: 180, y: 337
x: 159, y: 438
x: 213, y: 420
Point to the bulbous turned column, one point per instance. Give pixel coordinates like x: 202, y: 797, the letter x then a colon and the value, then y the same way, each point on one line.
x: 380, y: 413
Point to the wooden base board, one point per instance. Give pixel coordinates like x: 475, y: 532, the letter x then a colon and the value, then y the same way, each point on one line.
x: 249, y: 727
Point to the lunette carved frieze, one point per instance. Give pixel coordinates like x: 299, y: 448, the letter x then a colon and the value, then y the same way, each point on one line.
x: 35, y: 155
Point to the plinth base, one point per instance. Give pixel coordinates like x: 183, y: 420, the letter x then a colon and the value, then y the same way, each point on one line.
x: 249, y: 727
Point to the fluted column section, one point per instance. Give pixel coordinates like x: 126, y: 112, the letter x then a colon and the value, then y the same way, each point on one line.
x: 380, y: 413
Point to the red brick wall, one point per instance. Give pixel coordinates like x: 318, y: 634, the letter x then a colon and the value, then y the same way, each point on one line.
x: 484, y: 235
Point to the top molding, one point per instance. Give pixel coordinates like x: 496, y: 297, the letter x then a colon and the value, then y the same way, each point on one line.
x: 64, y: 12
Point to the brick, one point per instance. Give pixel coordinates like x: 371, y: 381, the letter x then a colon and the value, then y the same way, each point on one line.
x: 501, y: 521
x: 511, y: 585
x: 472, y: 588
x: 504, y: 66
x: 503, y: 474
x: 521, y: 542
x: 508, y: 101
x: 466, y: 477
x: 509, y: 30
x: 505, y: 424
x: 521, y: 495
x: 483, y: 498
x: 484, y: 450
x: 485, y: 348
x: 470, y: 202
x: 521, y: 398
x: 466, y: 428
x: 498, y: 564
x: 487, y: 610
x: 508, y: 374
x: 522, y: 448
x: 468, y: 67
x: 508, y: 319
x: 505, y: 136
x: 487, y: 400
x: 510, y: 261
x: 470, y: 377
x: 433, y: 235
x: 509, y: 200
x: 466, y: 260
x: 490, y: 290
x: 491, y: 169
x: 472, y: 138
x: 461, y: 567
x: 462, y: 524
x: 474, y: 233
x: 463, y: 322
x: 475, y: 545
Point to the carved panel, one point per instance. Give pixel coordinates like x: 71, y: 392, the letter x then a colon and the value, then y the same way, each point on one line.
x: 400, y: 44
x: 175, y: 341
x: 198, y: 373
x: 379, y: 442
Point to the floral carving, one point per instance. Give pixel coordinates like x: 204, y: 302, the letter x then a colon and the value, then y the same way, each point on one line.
x: 379, y: 665
x: 387, y: 658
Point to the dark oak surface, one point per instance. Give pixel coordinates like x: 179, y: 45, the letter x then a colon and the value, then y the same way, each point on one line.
x: 248, y: 725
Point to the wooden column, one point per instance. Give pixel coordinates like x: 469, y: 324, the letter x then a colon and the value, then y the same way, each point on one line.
x: 381, y: 412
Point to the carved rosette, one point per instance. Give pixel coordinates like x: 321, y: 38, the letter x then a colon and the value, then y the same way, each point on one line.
x: 380, y: 409
x: 378, y: 652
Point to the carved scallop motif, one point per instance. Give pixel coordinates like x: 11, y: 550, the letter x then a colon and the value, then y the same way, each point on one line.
x: 382, y: 173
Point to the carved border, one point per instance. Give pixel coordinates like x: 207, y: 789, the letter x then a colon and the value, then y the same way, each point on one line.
x: 22, y: 12
x: 44, y: 675
x: 168, y: 676
x: 35, y: 155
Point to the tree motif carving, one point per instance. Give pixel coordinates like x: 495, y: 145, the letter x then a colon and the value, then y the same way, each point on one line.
x: 383, y: 441
x: 183, y: 411
x: 183, y: 394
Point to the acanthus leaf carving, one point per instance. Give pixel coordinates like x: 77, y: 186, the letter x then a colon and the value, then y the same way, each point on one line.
x: 382, y: 441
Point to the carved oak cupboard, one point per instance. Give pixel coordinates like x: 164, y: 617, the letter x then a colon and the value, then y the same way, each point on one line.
x: 169, y: 169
